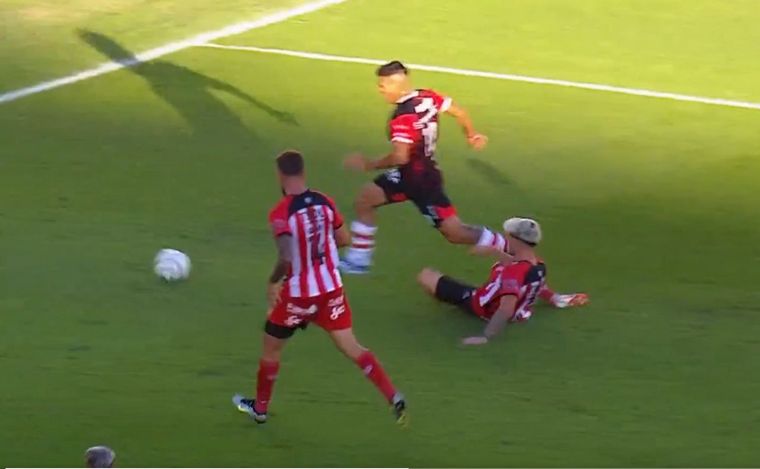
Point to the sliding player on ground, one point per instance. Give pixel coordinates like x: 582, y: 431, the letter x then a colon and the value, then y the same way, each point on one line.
x: 512, y: 288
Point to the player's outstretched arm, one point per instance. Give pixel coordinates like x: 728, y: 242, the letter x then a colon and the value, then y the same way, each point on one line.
x: 497, y: 323
x: 284, y: 257
x: 399, y: 155
x: 476, y: 140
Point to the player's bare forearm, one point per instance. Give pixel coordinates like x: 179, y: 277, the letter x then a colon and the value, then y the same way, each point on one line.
x: 284, y: 256
x: 397, y: 157
x: 342, y: 237
x: 279, y: 271
x: 476, y: 140
x: 463, y: 119
x: 499, y: 320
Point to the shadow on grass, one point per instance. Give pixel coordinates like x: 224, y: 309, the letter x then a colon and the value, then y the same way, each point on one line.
x: 188, y: 92
x: 489, y: 172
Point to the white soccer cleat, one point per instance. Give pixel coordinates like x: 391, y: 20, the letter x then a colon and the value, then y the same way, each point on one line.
x: 569, y: 300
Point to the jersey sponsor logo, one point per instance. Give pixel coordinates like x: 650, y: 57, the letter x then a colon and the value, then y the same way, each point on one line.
x: 293, y: 321
x: 335, y: 302
x: 393, y: 175
x: 337, y: 311
x: 294, y: 309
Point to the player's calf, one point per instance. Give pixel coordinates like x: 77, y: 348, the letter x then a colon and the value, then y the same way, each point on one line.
x: 346, y: 342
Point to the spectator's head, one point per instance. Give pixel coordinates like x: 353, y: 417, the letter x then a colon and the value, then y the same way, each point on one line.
x: 99, y: 456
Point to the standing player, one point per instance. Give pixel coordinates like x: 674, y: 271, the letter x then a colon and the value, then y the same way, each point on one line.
x: 308, y: 230
x: 411, y: 170
x: 512, y: 286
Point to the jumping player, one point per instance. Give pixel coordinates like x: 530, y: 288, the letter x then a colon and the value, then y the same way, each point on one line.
x: 512, y: 287
x: 412, y: 173
x: 305, y: 287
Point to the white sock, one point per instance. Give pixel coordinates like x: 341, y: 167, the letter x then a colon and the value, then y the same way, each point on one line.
x: 492, y: 239
x: 362, y: 244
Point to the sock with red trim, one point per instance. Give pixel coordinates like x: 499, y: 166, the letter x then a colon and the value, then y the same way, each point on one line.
x: 374, y: 371
x: 492, y: 239
x: 362, y: 244
x: 265, y: 379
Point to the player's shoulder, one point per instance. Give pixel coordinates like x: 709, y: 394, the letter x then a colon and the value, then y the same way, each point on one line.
x: 280, y: 209
x: 517, y: 269
x: 429, y: 93
x: 525, y: 271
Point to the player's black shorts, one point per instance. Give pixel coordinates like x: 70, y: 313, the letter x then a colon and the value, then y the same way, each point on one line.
x: 425, y: 192
x: 455, y: 292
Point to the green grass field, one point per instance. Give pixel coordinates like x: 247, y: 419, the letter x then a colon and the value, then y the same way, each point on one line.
x: 652, y: 206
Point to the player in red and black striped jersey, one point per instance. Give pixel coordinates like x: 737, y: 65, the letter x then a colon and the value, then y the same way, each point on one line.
x: 305, y: 287
x: 513, y: 285
x: 411, y: 172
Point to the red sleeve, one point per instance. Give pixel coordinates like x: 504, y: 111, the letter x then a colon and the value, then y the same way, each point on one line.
x: 337, y: 216
x: 441, y: 102
x: 278, y: 219
x: 403, y: 130
x: 511, y: 280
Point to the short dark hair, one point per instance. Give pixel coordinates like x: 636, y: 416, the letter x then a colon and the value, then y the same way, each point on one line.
x: 392, y: 68
x: 290, y: 163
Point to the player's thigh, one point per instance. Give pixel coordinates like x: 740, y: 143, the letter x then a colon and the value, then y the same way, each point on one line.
x: 346, y: 342
x: 387, y: 188
x: 453, y: 291
x: 435, y: 206
x: 334, y: 312
x: 289, y: 315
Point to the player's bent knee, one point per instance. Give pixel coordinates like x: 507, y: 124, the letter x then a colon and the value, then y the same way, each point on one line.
x: 429, y: 278
x: 370, y: 196
x: 347, y: 343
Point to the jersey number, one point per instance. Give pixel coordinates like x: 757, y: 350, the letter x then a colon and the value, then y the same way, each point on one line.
x: 316, y: 236
x: 491, y: 290
x: 428, y: 124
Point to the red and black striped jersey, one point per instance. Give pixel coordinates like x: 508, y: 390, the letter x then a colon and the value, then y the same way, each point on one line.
x: 415, y: 121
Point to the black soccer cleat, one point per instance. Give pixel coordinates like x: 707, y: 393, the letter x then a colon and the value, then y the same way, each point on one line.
x: 399, y: 410
x: 247, y: 406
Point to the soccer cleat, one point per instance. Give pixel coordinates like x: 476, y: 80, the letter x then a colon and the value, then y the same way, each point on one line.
x: 348, y: 267
x: 399, y: 410
x: 570, y: 300
x: 246, y: 406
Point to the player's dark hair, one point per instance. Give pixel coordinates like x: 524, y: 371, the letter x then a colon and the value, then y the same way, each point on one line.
x: 392, y: 68
x: 290, y: 163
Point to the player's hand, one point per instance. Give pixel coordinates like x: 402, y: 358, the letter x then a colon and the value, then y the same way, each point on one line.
x: 356, y: 162
x: 475, y: 340
x: 273, y: 294
x: 477, y: 141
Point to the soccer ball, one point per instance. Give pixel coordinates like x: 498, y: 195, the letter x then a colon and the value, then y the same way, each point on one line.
x: 172, y: 265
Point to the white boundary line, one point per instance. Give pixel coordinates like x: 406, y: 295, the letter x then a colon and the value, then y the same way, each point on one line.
x: 499, y: 76
x: 169, y: 48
